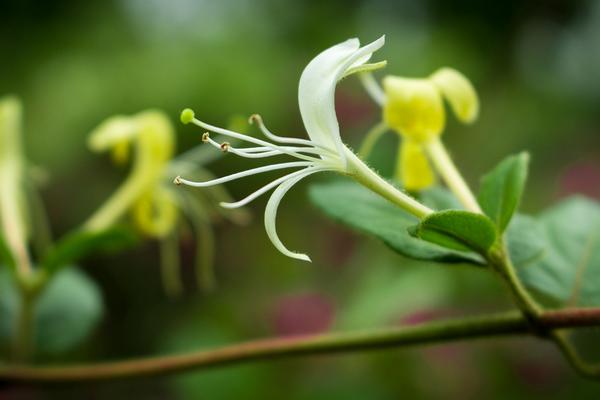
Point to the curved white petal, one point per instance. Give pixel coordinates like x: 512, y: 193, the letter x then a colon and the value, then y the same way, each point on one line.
x: 271, y: 213
x: 262, y: 190
x: 316, y: 91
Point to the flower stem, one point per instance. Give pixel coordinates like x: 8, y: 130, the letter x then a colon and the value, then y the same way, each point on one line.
x: 503, y: 265
x: 24, y: 334
x: 494, y: 325
x: 580, y: 365
x: 451, y: 176
x: 373, y: 181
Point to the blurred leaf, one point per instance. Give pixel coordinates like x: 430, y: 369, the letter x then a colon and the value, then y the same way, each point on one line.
x: 359, y: 208
x: 9, y: 302
x: 439, y: 198
x: 525, y: 240
x: 67, y: 311
x: 567, y: 272
x: 569, y: 269
x: 502, y: 188
x: 457, y: 230
x: 385, y: 297
x: 79, y: 244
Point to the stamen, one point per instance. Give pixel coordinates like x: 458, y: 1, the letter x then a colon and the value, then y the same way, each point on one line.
x: 296, y: 149
x: 257, y: 152
x: 268, y: 187
x: 263, y: 152
x: 179, y: 180
x: 220, y: 146
x: 263, y: 128
x: 227, y: 132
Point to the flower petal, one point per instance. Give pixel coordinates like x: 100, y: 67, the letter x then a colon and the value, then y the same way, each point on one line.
x: 155, y: 213
x: 414, y: 108
x: 414, y: 169
x: 459, y: 92
x: 113, y: 132
x: 316, y: 91
x: 271, y: 213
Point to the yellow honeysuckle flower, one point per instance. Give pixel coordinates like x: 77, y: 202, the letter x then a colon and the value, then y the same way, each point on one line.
x: 414, y: 108
x: 147, y: 195
x: 152, y: 135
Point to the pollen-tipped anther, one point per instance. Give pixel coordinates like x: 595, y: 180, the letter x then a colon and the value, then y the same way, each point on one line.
x: 225, y: 147
x: 255, y: 118
x: 205, y: 137
x: 177, y: 180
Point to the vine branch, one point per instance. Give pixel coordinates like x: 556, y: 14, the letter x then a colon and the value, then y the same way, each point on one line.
x: 494, y: 325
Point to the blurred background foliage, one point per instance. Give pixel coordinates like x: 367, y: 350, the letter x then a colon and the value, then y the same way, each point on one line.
x: 75, y: 63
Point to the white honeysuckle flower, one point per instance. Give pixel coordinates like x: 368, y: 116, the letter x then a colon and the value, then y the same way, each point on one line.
x: 323, y: 151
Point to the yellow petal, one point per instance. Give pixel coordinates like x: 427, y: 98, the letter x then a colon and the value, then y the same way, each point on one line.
x: 120, y: 152
x: 155, y: 213
x: 414, y: 108
x: 459, y: 92
x: 156, y: 136
x: 150, y: 137
x: 415, y: 171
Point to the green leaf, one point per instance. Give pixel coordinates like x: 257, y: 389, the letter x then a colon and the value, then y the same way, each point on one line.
x: 359, y: 208
x: 439, y: 198
x: 566, y: 272
x: 501, y: 189
x: 458, y: 230
x: 78, y: 244
x: 67, y: 311
x: 525, y: 240
x: 569, y: 270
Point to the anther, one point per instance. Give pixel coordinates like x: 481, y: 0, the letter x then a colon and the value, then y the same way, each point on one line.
x: 177, y: 180
x: 255, y: 118
x: 225, y: 147
x: 205, y: 137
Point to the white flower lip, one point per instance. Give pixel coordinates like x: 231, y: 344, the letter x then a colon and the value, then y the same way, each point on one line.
x: 322, y: 151
x: 316, y: 91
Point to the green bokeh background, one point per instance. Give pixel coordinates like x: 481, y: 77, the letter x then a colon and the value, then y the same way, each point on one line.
x: 535, y: 65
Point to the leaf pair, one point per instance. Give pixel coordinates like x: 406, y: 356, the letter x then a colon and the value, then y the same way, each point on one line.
x: 499, y: 197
